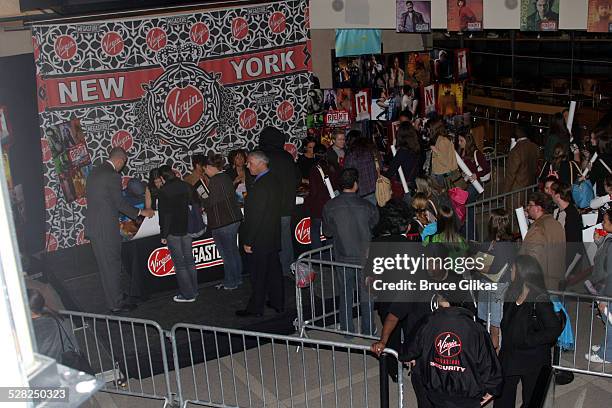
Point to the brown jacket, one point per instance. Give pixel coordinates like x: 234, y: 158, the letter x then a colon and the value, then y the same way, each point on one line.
x: 545, y: 241
x: 521, y: 167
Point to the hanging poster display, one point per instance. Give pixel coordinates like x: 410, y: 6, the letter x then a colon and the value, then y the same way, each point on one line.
x: 464, y: 15
x: 539, y: 15
x: 599, y: 17
x: 164, y: 87
x: 418, y: 69
x: 362, y: 105
x: 413, y: 16
x: 462, y: 64
x: 429, y: 98
x: 443, y: 70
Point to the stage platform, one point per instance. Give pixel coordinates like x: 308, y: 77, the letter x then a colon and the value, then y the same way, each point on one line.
x: 217, y: 307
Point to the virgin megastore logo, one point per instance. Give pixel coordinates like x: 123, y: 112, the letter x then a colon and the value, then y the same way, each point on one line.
x: 205, y: 254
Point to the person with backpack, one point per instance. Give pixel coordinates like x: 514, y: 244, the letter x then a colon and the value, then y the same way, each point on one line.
x: 175, y: 196
x: 530, y: 328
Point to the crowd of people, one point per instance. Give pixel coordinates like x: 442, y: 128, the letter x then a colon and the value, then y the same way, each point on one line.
x: 356, y: 196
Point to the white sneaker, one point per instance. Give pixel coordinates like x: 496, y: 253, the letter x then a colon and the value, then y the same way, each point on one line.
x: 595, y: 348
x: 181, y: 299
x: 594, y: 358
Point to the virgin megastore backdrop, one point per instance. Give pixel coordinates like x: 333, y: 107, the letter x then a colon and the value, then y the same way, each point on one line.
x: 163, y: 88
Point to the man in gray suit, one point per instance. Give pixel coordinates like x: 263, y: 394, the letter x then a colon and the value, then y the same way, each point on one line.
x: 104, y: 203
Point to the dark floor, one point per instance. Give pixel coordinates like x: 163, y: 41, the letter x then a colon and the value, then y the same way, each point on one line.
x: 217, y: 307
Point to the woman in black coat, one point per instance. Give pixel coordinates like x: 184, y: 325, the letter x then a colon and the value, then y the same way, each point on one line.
x: 529, y: 330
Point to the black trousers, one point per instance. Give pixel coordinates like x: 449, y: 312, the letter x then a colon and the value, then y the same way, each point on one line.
x: 266, y: 281
x: 528, y: 380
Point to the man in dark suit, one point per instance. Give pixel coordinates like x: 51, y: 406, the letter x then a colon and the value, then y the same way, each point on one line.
x: 260, y: 233
x: 410, y: 19
x: 104, y: 203
x: 284, y: 170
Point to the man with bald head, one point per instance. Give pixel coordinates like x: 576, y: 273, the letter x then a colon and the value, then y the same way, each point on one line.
x: 104, y: 203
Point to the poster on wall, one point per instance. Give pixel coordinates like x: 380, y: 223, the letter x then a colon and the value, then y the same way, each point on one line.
x: 348, y: 72
x: 163, y: 88
x: 418, y: 69
x: 450, y: 99
x: 395, y: 71
x: 464, y: 15
x: 362, y: 105
x: 462, y: 64
x: 413, y: 16
x: 443, y: 70
x: 599, y: 17
x: 539, y: 15
x: 429, y: 99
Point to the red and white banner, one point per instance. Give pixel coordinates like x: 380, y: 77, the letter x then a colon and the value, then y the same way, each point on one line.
x: 164, y: 88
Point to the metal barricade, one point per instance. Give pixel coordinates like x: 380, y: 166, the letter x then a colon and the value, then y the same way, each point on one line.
x: 321, y: 305
x: 128, y: 354
x: 478, y: 212
x: 591, y: 334
x: 495, y: 185
x: 235, y: 368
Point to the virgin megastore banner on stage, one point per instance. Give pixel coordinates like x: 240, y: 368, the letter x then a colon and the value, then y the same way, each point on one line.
x: 163, y: 88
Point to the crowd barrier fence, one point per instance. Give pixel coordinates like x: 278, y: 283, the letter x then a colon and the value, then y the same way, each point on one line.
x: 126, y: 353
x: 251, y: 369
x: 477, y: 213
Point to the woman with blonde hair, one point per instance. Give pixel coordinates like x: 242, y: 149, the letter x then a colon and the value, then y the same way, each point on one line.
x: 566, y: 171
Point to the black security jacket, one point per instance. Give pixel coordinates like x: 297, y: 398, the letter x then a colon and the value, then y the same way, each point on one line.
x: 454, y: 356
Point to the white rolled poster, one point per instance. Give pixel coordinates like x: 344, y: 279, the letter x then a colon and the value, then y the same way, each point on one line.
x: 522, y: 221
x: 465, y: 169
x: 400, y: 171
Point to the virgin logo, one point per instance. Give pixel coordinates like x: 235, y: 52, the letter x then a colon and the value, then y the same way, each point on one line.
x: 240, y: 28
x: 184, y: 106
x: 247, y: 119
x: 46, y: 150
x: 51, y: 242
x: 112, y: 43
x: 290, y: 148
x: 199, y: 33
x: 50, y: 198
x: 156, y: 39
x: 285, y: 111
x: 277, y: 22
x: 160, y: 262
x: 65, y: 47
x: 123, y: 139
x: 302, y: 231
x: 448, y: 344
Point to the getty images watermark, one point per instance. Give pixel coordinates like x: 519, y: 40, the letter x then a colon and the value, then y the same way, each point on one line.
x: 411, y: 272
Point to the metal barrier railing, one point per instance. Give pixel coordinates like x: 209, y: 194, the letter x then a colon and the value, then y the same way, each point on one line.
x: 596, y: 327
x: 250, y: 369
x: 495, y: 185
x: 335, y: 299
x: 128, y: 354
x: 477, y: 213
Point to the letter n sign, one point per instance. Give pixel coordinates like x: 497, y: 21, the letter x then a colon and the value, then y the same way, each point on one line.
x: 429, y: 96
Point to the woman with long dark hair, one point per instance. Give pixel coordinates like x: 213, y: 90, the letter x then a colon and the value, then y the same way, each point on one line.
x: 363, y: 156
x: 152, y: 189
x: 490, y: 303
x: 529, y: 330
x: 318, y: 193
x: 407, y: 156
x: 557, y: 133
x: 566, y: 171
